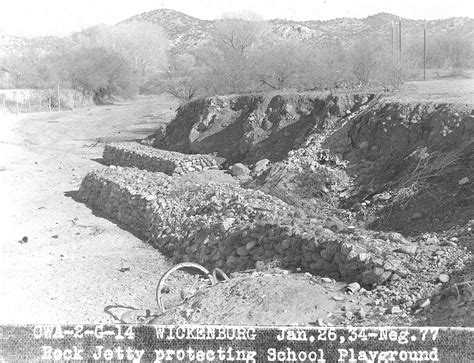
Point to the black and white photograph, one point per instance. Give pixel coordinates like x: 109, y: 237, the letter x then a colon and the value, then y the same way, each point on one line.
x: 252, y: 181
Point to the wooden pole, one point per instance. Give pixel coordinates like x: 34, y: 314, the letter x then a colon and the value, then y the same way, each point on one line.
x: 391, y: 28
x: 400, y: 44
x: 400, y: 38
x: 424, y: 53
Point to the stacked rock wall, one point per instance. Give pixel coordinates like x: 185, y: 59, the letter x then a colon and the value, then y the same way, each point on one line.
x: 222, y: 225
x: 148, y: 158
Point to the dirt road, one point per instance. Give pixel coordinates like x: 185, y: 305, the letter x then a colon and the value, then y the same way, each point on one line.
x: 69, y: 270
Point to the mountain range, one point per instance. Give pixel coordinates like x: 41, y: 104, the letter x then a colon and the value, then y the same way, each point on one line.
x: 185, y: 32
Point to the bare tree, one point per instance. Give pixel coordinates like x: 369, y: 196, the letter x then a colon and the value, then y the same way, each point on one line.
x: 228, y: 57
x: 456, y: 50
x: 142, y: 45
x: 279, y: 66
x: 183, y: 78
x: 238, y: 32
x: 99, y: 72
x: 364, y: 59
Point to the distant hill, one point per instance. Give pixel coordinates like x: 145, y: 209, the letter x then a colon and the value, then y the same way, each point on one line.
x: 11, y: 43
x: 185, y: 31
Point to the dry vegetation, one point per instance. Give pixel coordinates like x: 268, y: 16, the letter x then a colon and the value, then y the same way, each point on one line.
x: 236, y: 54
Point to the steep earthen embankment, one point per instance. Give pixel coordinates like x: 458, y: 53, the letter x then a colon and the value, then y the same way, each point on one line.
x: 252, y: 127
x: 421, y: 157
x: 343, y: 150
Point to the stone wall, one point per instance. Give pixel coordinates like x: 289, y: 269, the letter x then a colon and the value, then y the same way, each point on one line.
x: 222, y: 225
x: 131, y: 154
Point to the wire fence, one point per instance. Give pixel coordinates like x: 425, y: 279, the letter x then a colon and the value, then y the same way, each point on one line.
x: 17, y: 101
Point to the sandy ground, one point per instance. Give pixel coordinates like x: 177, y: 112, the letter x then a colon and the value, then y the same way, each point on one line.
x: 448, y: 90
x: 69, y: 270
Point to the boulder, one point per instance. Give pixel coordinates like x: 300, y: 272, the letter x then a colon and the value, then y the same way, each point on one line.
x: 261, y: 165
x: 397, y: 238
x: 408, y: 249
x: 239, y: 169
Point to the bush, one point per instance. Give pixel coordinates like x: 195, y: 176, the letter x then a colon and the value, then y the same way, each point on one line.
x: 98, y: 71
x: 183, y: 79
x: 141, y: 46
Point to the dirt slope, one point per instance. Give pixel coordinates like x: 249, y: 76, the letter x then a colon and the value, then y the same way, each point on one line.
x: 252, y: 127
x: 417, y: 151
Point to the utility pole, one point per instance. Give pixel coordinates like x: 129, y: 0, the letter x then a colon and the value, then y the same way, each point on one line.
x: 424, y: 52
x: 392, y: 34
x: 400, y: 45
x: 400, y: 38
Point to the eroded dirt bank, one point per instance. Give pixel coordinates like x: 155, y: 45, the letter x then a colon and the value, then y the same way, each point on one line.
x: 418, y: 153
x: 253, y: 127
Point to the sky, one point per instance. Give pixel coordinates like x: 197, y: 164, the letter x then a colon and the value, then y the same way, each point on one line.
x: 62, y: 17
